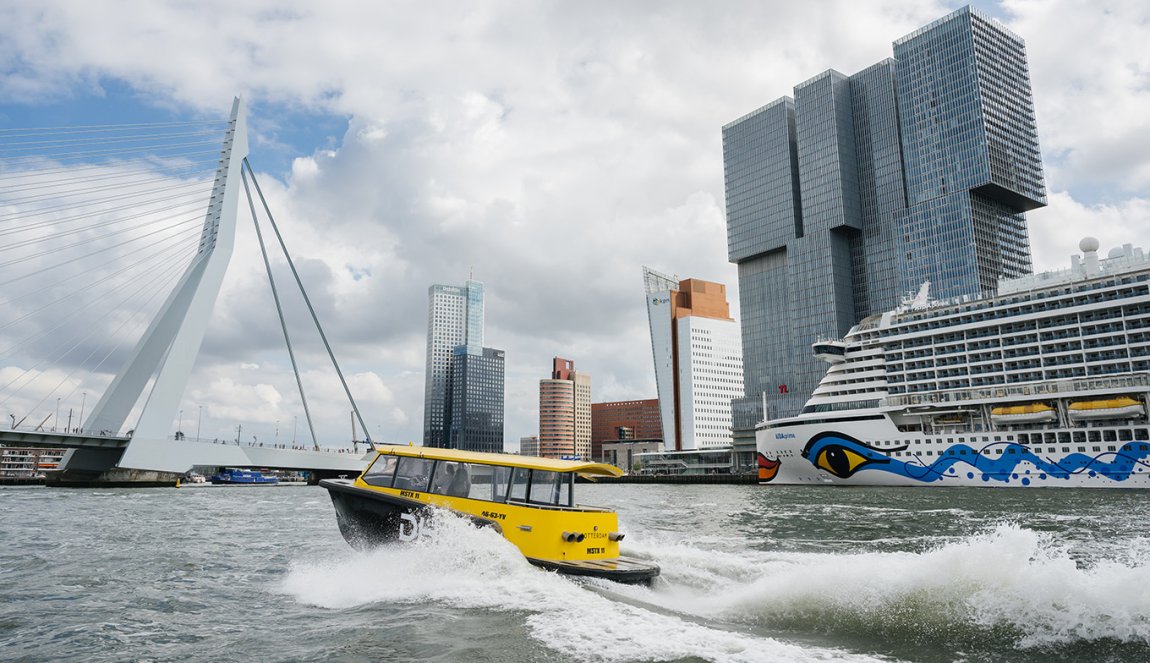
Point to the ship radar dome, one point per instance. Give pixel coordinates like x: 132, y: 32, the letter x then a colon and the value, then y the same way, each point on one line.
x: 1115, y: 252
x: 1088, y: 244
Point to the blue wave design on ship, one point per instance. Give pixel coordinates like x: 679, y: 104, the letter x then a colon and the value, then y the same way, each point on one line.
x: 843, y: 456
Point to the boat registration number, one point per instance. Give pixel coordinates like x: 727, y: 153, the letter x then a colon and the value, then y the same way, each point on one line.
x: 596, y: 551
x: 494, y: 515
x: 408, y: 493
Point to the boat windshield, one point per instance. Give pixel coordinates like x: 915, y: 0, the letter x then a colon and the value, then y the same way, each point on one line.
x: 381, y: 472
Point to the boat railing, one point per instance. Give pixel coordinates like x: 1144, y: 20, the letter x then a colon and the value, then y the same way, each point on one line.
x: 1037, y: 389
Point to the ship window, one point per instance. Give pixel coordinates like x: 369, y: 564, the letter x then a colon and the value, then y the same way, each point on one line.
x: 1093, y: 436
x: 1082, y: 448
x: 519, y: 484
x: 1064, y: 438
x: 1110, y: 448
x: 381, y: 472
x: 1125, y: 435
x: 1050, y: 438
x: 550, y: 488
x: 1097, y: 448
x: 1109, y: 436
x: 1079, y: 436
x: 1065, y: 450
x: 413, y: 473
x: 1140, y: 433
x: 487, y: 482
x: 443, y: 477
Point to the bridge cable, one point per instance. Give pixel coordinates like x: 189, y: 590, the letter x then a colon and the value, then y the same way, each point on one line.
x: 279, y: 309
x: 307, y: 301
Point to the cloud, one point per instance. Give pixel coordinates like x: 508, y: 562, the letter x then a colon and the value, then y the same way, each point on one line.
x: 550, y: 149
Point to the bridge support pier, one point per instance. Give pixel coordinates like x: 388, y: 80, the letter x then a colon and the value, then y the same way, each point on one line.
x: 96, y: 468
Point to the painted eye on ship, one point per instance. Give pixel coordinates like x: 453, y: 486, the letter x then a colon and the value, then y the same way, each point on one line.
x: 839, y: 460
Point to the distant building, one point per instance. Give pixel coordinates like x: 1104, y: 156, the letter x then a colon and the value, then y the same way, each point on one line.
x: 623, y: 453
x: 698, y: 360
x: 624, y: 420
x: 463, y: 388
x: 858, y: 189
x: 565, y: 412
x: 529, y: 446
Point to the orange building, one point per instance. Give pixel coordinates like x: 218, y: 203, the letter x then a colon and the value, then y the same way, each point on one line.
x: 565, y: 412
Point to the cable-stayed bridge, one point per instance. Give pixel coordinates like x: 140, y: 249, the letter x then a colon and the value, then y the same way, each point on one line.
x: 118, y: 233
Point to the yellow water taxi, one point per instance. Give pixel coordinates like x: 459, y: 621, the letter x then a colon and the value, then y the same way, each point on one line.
x: 530, y: 501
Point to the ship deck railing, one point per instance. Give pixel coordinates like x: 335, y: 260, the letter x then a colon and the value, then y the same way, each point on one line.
x: 1055, y: 388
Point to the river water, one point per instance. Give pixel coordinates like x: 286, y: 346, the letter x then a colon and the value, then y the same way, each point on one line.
x: 750, y: 573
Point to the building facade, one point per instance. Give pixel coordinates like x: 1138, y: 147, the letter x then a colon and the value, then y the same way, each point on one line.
x: 565, y: 412
x: 475, y: 400
x: 463, y: 384
x: 860, y: 188
x: 529, y: 446
x: 698, y: 360
x: 624, y: 420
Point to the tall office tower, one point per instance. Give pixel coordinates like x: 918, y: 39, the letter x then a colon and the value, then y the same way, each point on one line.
x: 565, y: 412
x: 698, y: 360
x: 475, y: 400
x: 454, y: 321
x: 624, y: 420
x: 860, y: 188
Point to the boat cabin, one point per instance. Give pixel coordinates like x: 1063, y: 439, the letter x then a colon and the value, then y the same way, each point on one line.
x: 541, y: 482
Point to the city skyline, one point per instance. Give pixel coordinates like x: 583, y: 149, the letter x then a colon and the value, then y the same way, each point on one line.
x: 550, y: 169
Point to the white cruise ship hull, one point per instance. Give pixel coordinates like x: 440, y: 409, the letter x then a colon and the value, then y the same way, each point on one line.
x: 872, y: 451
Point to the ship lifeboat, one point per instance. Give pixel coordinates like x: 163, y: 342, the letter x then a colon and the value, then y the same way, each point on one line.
x: 1113, y: 408
x: 1030, y: 413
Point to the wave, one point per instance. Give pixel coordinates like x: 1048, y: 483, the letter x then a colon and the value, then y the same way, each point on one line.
x: 1009, y: 587
x: 463, y: 567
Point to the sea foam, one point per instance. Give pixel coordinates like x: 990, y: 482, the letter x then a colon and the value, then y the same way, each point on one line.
x: 463, y: 567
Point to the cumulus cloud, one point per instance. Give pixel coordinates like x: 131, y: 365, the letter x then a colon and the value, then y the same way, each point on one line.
x: 550, y: 149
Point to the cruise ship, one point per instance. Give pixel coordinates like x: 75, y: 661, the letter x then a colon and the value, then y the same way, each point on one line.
x: 1044, y: 383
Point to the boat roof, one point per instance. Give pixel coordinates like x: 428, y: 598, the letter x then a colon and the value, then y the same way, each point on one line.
x: 510, y: 460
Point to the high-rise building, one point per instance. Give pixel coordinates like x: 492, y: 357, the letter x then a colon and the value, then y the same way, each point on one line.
x: 565, y: 412
x: 698, y: 360
x: 860, y: 188
x: 463, y: 387
x: 624, y: 420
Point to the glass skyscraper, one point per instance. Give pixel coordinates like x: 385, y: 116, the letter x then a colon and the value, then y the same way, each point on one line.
x: 860, y: 188
x: 463, y: 388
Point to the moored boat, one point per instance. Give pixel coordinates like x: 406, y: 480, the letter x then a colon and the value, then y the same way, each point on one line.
x: 529, y: 500
x: 240, y: 477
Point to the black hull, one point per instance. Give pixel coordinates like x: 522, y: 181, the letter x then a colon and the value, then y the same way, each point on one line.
x: 368, y: 518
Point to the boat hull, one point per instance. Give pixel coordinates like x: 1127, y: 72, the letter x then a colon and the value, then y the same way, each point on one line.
x: 369, y: 518
x: 875, y: 452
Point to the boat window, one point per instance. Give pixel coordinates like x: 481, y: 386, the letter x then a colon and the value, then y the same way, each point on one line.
x: 381, y: 471
x: 1093, y: 436
x: 545, y: 487
x: 1064, y: 438
x: 413, y: 473
x: 519, y: 484
x: 451, y: 478
x: 1080, y: 436
x: 1109, y: 436
x: 1125, y: 435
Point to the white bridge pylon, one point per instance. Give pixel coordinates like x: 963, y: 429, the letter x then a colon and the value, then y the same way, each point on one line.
x: 168, y: 348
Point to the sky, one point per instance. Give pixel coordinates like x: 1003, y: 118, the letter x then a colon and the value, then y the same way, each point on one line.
x: 549, y: 149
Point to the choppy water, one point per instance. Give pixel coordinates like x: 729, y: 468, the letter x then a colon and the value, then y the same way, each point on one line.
x: 749, y: 574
